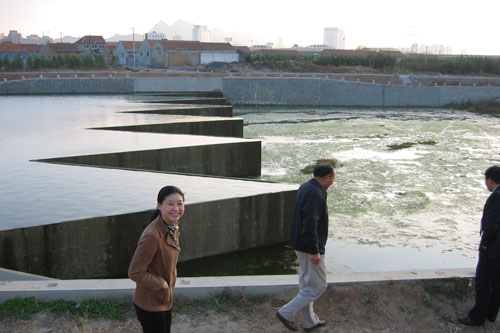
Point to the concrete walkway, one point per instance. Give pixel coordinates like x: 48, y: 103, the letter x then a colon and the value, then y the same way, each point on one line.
x: 276, y: 286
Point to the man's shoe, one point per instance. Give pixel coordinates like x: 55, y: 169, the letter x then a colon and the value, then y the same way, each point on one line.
x: 321, y: 323
x: 289, y: 324
x: 469, y: 322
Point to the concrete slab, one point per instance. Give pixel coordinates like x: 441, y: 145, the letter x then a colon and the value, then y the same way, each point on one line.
x: 192, y: 125
x: 10, y: 275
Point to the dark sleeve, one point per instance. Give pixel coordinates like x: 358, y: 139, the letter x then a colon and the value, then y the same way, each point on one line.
x: 314, y: 206
x: 490, y: 219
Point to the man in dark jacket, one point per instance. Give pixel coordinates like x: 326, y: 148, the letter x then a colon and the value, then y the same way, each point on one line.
x: 308, y: 238
x: 487, y: 279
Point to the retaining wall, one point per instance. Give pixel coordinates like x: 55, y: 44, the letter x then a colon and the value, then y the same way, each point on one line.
x: 103, y: 246
x: 68, y: 86
x: 311, y: 91
x: 284, y: 91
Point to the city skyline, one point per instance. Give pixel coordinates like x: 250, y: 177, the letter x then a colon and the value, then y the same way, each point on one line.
x: 386, y: 23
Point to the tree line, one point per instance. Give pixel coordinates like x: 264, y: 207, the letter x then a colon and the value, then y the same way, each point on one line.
x: 382, y: 62
x: 85, y: 61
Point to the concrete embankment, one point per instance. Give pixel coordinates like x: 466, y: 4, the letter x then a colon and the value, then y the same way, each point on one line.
x: 194, y: 288
x: 266, y: 90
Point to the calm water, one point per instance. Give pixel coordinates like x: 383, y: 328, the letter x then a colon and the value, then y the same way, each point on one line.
x: 413, y: 208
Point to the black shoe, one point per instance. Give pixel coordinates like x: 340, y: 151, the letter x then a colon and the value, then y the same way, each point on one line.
x: 321, y: 323
x: 289, y: 324
x: 469, y: 322
x: 492, y: 319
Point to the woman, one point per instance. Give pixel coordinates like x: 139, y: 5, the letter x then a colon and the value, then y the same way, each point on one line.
x: 153, y: 267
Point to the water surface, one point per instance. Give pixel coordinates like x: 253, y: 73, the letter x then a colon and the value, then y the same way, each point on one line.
x: 414, y: 208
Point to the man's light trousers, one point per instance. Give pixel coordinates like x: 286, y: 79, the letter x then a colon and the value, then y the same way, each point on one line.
x: 312, y: 284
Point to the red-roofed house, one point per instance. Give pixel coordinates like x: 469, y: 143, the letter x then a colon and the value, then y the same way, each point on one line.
x: 52, y: 49
x: 91, y: 44
x: 167, y: 53
x: 13, y: 50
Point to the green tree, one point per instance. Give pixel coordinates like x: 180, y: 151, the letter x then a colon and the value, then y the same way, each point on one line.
x: 17, y: 63
x: 30, y: 61
x: 6, y: 62
x: 87, y: 61
x: 100, y: 61
x: 114, y: 60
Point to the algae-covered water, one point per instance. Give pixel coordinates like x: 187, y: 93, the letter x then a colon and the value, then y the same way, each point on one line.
x: 390, y: 209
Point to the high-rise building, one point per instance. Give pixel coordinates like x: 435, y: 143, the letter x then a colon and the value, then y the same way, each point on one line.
x: 201, y: 33
x: 334, y: 38
x: 15, y: 37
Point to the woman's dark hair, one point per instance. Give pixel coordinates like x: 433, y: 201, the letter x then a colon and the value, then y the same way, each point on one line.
x: 165, y: 192
x: 493, y: 173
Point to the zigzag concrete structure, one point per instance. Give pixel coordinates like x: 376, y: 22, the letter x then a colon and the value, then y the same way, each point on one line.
x: 97, y: 213
x: 227, y: 202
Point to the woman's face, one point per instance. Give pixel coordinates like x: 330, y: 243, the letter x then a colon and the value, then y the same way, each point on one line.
x: 172, y: 208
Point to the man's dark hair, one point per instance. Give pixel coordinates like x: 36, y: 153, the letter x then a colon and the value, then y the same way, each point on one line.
x: 493, y: 173
x: 323, y: 170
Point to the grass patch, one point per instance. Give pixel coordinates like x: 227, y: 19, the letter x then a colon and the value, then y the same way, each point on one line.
x: 310, y: 168
x: 24, y: 308
x: 452, y: 289
x: 401, y: 145
x: 20, y: 308
x: 411, y: 144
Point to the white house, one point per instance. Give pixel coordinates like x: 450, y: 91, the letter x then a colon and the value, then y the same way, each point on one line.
x: 166, y: 53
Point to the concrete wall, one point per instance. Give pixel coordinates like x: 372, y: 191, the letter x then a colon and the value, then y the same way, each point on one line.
x: 178, y: 84
x: 311, y: 91
x: 284, y: 91
x: 223, y: 128
x: 103, y: 246
x: 69, y: 86
x: 209, y: 111
x: 240, y: 159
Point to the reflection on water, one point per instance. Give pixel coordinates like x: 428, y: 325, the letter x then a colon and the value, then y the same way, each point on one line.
x: 389, y: 209
x: 269, y: 260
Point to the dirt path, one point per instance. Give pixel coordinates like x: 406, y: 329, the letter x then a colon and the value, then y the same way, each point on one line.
x: 389, y: 307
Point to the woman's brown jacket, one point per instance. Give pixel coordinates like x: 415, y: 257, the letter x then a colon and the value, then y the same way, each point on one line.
x: 154, y: 261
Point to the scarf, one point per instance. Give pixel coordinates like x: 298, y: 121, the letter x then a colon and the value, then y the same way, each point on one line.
x: 171, y: 228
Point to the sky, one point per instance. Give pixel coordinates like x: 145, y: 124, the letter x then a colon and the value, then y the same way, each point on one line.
x: 471, y: 26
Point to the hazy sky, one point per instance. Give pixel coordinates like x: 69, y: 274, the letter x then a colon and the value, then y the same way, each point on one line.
x: 472, y: 26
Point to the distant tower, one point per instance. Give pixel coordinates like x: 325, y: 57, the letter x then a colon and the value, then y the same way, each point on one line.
x: 201, y: 33
x: 334, y: 38
x: 15, y: 37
